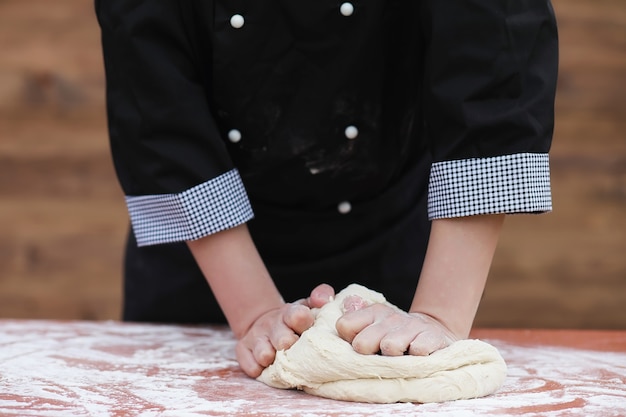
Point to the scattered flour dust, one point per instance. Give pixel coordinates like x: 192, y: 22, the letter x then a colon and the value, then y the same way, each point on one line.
x: 110, y: 369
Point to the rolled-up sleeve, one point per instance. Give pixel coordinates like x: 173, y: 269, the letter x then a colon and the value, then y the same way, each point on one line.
x: 170, y: 159
x: 490, y: 82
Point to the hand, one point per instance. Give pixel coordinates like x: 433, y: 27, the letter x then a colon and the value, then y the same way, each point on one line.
x: 392, y: 332
x: 275, y: 330
x: 278, y: 329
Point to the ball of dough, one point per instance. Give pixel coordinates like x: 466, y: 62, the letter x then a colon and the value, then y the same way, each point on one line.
x: 323, y: 364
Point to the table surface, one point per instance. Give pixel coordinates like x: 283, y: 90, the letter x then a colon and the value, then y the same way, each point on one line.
x: 52, y: 368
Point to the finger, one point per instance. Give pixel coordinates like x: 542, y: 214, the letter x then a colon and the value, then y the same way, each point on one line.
x: 298, y: 318
x: 352, y: 323
x: 396, y: 342
x: 428, y: 342
x: 367, y: 341
x: 390, y: 334
x: 246, y: 361
x: 263, y: 352
x: 321, y: 295
x: 282, y: 338
x: 353, y: 303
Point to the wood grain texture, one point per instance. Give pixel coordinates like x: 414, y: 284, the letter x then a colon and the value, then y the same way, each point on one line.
x: 63, y: 220
x: 568, y: 268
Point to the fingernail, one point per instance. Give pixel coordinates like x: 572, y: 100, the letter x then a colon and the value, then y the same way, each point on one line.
x: 353, y: 303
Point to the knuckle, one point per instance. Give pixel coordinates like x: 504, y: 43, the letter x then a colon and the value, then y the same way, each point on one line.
x: 390, y: 347
x: 343, y: 328
x: 285, y: 341
x: 363, y: 346
x: 263, y: 352
x: 264, y: 357
x: 297, y: 315
x: 417, y: 349
x: 379, y: 308
x: 421, y: 346
x: 427, y: 342
x: 359, y: 347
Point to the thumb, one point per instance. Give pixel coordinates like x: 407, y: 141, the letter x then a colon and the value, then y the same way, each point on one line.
x: 353, y: 303
x: 321, y: 295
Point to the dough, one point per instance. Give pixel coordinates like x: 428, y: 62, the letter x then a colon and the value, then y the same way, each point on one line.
x: 323, y: 364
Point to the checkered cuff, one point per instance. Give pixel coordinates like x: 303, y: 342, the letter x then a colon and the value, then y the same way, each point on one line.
x: 215, y: 205
x: 518, y: 183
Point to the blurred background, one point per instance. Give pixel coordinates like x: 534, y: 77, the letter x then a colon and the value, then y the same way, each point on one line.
x: 63, y: 219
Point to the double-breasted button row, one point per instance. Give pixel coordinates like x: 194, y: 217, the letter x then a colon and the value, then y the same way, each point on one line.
x: 344, y: 207
x: 351, y: 132
x: 237, y: 21
x: 346, y: 9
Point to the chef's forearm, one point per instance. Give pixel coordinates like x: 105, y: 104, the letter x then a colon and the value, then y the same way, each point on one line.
x: 238, y: 277
x: 453, y: 278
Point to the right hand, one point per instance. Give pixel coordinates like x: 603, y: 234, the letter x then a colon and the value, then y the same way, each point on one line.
x: 278, y: 329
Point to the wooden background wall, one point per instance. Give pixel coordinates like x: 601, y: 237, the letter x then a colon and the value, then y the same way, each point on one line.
x: 62, y: 218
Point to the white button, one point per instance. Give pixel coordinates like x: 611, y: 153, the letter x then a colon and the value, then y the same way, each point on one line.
x: 236, y: 21
x: 351, y: 132
x: 344, y: 207
x: 346, y: 9
x: 234, y: 135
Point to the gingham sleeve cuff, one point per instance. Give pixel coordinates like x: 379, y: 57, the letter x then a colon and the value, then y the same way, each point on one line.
x: 215, y: 205
x: 518, y: 183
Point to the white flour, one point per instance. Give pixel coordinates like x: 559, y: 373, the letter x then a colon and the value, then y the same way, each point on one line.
x: 111, y: 369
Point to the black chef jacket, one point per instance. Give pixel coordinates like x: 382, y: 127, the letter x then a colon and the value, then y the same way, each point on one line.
x: 336, y: 130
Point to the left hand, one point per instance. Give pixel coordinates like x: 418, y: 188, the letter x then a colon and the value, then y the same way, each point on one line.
x: 388, y: 330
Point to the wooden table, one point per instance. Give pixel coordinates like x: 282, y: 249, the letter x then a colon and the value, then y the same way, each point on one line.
x: 51, y: 368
